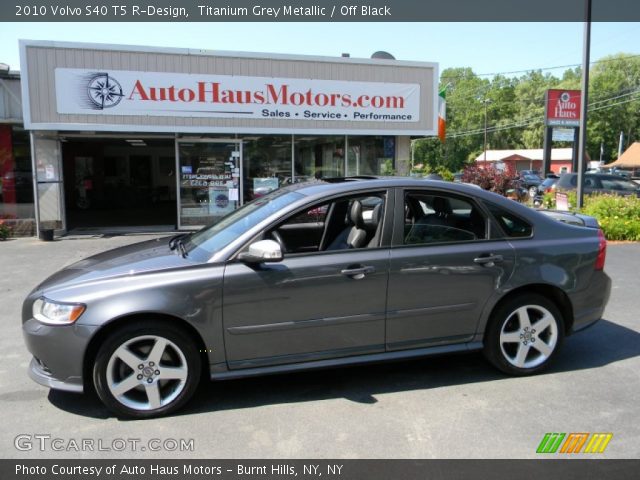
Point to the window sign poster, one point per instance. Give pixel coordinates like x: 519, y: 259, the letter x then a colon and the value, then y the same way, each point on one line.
x: 389, y: 147
x: 50, y: 173
x: 219, y: 202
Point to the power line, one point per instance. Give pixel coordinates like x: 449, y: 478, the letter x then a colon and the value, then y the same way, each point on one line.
x: 541, y: 69
x: 531, y: 120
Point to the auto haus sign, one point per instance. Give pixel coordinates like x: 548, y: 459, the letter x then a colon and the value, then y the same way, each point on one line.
x: 119, y: 92
x: 563, y: 108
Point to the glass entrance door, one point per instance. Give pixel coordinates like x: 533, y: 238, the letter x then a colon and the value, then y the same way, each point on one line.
x: 208, y: 181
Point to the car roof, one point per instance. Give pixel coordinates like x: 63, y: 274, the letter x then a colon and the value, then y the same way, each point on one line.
x: 350, y: 184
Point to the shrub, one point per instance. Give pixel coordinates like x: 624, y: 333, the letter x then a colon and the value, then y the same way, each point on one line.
x: 619, y: 217
x: 489, y: 178
x: 445, y: 173
x: 5, y: 230
x: 387, y: 168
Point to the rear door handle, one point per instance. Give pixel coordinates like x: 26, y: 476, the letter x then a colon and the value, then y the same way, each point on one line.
x: 358, y: 272
x: 488, y: 260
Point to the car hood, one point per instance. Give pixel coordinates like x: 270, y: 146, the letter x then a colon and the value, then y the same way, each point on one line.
x: 148, y: 256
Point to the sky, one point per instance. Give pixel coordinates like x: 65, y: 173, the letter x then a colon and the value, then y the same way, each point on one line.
x: 485, y: 47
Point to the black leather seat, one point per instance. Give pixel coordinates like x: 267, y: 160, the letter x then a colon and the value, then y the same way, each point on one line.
x: 442, y: 212
x: 354, y: 235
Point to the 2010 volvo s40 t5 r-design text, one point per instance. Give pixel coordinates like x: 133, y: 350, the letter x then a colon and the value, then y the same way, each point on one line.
x: 314, y: 275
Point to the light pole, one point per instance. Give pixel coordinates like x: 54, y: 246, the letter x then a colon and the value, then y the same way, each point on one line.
x: 582, y: 139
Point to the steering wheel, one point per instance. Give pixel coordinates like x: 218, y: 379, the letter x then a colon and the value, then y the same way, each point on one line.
x: 278, y: 238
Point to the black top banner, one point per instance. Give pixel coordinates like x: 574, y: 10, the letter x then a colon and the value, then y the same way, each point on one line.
x: 317, y: 11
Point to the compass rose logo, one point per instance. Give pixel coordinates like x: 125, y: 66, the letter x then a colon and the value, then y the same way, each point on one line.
x: 104, y: 91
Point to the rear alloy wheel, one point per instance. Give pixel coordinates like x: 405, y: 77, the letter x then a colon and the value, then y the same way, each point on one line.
x: 533, y: 191
x: 143, y: 371
x: 524, y: 335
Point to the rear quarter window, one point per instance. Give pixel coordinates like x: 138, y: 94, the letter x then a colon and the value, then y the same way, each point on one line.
x: 512, y: 225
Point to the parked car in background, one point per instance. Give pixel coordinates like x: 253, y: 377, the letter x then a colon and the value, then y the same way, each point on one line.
x: 318, y: 275
x: 621, y: 173
x: 599, y: 183
x: 530, y: 182
x: 547, y: 186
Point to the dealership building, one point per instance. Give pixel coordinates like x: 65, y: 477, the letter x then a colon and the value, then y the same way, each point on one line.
x: 124, y: 136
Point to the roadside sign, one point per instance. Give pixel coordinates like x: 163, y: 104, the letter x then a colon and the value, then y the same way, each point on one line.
x: 563, y: 108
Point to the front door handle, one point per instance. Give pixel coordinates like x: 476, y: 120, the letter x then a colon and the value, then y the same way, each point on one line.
x: 359, y: 272
x: 488, y: 260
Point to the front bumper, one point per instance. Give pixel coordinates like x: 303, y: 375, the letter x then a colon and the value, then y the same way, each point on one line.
x: 39, y: 374
x: 58, y: 353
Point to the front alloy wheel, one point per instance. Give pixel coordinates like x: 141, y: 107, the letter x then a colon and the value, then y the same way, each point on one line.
x: 145, y: 375
x: 524, y: 335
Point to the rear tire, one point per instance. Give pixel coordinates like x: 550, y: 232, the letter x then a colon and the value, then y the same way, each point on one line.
x: 524, y: 335
x: 147, y: 369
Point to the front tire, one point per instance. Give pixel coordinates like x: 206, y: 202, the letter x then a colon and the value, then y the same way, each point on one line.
x: 146, y: 370
x: 524, y: 335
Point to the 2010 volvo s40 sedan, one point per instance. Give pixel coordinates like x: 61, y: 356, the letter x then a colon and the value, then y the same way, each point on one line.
x: 316, y: 275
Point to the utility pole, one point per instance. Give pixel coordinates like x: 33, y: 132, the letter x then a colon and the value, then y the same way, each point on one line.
x: 486, y: 102
x: 585, y: 99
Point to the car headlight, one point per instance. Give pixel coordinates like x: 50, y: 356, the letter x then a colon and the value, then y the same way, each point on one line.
x: 54, y: 313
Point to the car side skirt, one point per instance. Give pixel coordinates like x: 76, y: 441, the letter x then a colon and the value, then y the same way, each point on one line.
x: 344, y: 361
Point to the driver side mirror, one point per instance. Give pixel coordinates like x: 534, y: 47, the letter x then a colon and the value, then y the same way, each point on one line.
x: 262, y: 251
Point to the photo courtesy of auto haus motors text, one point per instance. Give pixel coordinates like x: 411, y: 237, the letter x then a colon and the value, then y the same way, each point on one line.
x: 254, y: 470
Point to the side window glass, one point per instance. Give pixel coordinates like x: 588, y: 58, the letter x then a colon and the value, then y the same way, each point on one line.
x: 344, y: 223
x: 513, y: 226
x: 355, y: 222
x: 440, y: 218
x: 312, y: 215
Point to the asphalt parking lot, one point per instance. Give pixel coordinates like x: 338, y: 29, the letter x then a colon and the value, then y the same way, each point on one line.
x: 444, y: 407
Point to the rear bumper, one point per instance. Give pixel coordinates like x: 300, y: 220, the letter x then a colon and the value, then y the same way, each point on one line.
x: 589, y: 304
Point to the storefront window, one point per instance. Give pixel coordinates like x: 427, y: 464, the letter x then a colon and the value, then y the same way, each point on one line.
x: 266, y: 164
x: 16, y: 180
x: 209, y: 181
x: 370, y: 155
x: 319, y: 157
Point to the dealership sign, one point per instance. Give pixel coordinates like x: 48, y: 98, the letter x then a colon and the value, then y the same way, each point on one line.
x: 563, y: 108
x: 119, y: 92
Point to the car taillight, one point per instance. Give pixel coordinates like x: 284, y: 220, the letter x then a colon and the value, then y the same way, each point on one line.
x: 602, y: 251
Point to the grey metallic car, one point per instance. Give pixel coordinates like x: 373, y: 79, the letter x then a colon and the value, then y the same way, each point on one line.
x: 318, y: 275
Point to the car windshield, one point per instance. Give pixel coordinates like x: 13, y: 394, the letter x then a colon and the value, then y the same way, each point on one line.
x: 214, y: 238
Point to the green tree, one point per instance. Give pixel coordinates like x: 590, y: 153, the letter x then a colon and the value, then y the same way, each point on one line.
x: 614, y: 96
